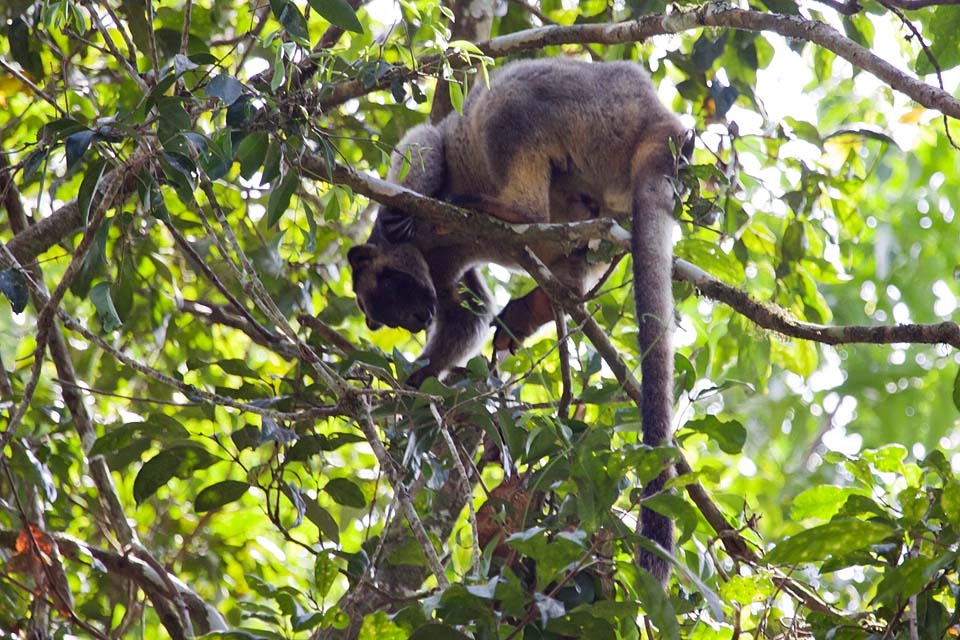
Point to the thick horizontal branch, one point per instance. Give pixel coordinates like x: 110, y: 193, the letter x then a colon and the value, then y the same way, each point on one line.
x: 468, y: 226
x: 777, y: 319
x: 713, y: 14
x: 464, y: 224
x: 37, y: 238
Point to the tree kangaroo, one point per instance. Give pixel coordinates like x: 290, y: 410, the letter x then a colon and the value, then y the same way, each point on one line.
x: 549, y: 141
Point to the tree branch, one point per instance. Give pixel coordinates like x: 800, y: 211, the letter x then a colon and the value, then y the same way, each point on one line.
x: 777, y: 319
x: 204, y: 615
x: 713, y: 14
x: 471, y: 227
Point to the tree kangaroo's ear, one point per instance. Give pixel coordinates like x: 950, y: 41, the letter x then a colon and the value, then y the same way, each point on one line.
x: 362, y: 255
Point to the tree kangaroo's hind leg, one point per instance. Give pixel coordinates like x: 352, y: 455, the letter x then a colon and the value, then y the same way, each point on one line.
x: 459, y: 328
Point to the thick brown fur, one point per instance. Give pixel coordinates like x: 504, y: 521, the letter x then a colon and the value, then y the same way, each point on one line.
x: 549, y: 141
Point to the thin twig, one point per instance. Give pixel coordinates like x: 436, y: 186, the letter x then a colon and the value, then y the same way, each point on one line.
x: 357, y: 406
x: 458, y: 464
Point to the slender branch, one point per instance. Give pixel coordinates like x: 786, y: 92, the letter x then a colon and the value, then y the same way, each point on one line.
x: 713, y: 14
x: 563, y: 352
x: 185, y: 31
x: 326, y: 332
x: 199, y: 263
x: 913, y: 5
x: 107, y: 494
x: 218, y: 314
x: 777, y: 319
x: 357, y: 406
x: 46, y: 319
x: 108, y: 41
x: 33, y: 87
x: 458, y: 465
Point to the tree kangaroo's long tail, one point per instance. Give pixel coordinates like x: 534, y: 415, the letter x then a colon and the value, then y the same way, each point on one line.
x: 652, y: 265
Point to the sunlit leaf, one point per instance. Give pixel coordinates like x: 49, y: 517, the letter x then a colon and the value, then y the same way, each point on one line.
x: 838, y: 537
x: 325, y: 571
x: 103, y: 303
x: 729, y: 435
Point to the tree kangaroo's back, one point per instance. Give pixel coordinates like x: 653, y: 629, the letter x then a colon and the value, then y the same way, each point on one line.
x: 549, y: 141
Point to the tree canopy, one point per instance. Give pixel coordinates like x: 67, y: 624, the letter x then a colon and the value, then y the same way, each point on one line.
x: 201, y: 436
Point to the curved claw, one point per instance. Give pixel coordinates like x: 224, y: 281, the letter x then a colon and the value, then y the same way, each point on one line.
x: 397, y: 226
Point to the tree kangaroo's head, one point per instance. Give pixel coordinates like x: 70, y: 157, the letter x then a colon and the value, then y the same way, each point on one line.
x: 393, y: 286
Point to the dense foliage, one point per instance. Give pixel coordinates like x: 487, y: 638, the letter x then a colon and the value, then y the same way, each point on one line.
x: 200, y: 435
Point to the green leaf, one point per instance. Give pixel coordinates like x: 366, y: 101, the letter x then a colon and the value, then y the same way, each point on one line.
x: 279, y: 70
x: 292, y: 20
x: 76, y: 145
x: 89, y: 187
x: 103, y: 303
x: 836, y: 538
x: 171, y: 112
x: 805, y: 131
x: 325, y: 572
x: 280, y: 197
x: 218, y: 494
x: 33, y: 162
x: 821, y: 502
x: 322, y: 518
x: 707, y: 50
x: 179, y: 461
x: 941, y: 27
x: 158, y: 428
x: 338, y: 12
x: 226, y: 88
x: 251, y: 152
x: 723, y: 265
x: 345, y: 492
x: 657, y: 605
x: 729, y: 435
x: 13, y: 284
x: 950, y: 502
x: 271, y: 163
x: 20, y: 40
x: 678, y: 509
x: 456, y: 96
x: 94, y: 262
x: 910, y: 577
x: 247, y: 437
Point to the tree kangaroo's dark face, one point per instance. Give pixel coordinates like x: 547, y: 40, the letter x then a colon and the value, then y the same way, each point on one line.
x: 393, y: 286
